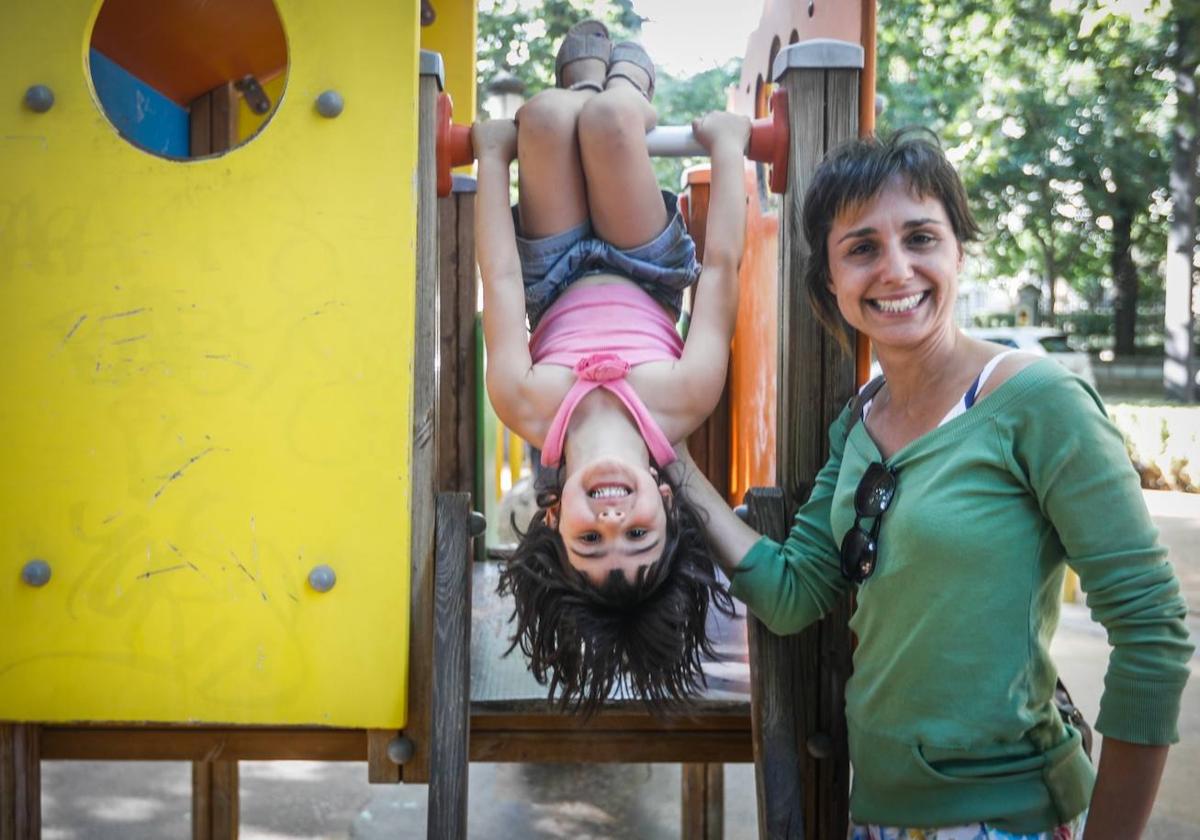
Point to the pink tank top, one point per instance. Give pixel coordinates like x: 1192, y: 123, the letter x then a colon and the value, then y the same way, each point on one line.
x: 601, y: 332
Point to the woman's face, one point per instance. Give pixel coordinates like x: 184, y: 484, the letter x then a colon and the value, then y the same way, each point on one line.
x: 894, y: 263
x: 612, y: 515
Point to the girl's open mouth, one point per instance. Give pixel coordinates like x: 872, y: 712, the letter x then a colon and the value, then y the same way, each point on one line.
x: 898, y: 306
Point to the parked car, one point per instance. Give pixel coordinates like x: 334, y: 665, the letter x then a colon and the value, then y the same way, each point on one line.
x: 1044, y: 341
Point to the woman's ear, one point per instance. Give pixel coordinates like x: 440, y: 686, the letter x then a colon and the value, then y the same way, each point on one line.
x: 665, y: 491
x: 552, y: 516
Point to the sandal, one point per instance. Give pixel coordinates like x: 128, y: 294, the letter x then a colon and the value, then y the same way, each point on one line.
x: 628, y: 51
x: 584, y: 40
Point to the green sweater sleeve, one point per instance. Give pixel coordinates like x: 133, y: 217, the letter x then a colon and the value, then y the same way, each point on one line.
x: 790, y: 586
x: 1075, y: 463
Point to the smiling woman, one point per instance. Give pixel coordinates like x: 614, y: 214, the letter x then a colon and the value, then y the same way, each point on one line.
x: 965, y: 469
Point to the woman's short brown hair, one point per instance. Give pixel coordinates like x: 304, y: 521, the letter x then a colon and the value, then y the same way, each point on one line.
x: 853, y: 174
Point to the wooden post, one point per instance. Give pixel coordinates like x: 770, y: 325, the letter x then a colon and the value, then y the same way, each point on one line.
x: 816, y: 377
x: 214, y: 800
x: 457, y: 301
x: 778, y: 750
x: 424, y: 453
x: 20, y: 782
x: 703, y: 816
x: 449, y: 752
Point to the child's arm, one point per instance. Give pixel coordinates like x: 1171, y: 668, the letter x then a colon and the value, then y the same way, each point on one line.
x: 509, y: 365
x: 714, y: 311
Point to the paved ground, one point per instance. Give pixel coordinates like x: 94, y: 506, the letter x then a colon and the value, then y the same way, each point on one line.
x: 145, y: 801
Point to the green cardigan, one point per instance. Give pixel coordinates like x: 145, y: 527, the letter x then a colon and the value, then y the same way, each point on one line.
x: 950, y: 707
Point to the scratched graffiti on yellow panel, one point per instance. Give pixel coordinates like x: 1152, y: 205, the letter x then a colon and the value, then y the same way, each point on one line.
x: 206, y: 389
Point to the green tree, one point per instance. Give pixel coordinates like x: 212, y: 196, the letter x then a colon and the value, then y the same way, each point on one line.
x: 1054, y: 115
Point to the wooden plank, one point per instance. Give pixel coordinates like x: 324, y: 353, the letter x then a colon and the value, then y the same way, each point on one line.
x: 703, y: 801
x: 223, y: 122
x: 778, y: 753
x: 557, y: 746
x: 816, y: 379
x: 90, y: 743
x: 215, y: 800
x: 424, y: 442
x: 457, y: 371
x: 381, y: 770
x: 200, y: 126
x: 732, y: 718
x: 20, y: 782
x: 452, y: 671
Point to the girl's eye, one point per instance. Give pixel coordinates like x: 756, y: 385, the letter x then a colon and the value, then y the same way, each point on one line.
x: 635, y: 533
x: 590, y: 537
x: 921, y: 239
x: 859, y: 249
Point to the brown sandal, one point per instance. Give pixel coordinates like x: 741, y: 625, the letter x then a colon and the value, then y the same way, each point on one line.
x: 634, y: 54
x: 584, y: 40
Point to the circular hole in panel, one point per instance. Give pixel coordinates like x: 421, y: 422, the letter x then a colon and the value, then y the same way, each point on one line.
x: 188, y: 78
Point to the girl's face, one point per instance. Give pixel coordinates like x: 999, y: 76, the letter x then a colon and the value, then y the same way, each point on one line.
x: 612, y: 515
x: 894, y: 263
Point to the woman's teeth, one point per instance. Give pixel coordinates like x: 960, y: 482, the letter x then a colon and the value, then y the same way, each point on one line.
x: 903, y: 304
x: 609, y: 492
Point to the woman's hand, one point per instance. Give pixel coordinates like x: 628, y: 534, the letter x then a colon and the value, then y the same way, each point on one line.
x: 719, y: 130
x: 495, y: 140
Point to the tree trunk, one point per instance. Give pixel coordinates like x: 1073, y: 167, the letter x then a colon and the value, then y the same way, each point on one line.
x: 1179, y: 368
x: 1050, y: 271
x: 1125, y: 276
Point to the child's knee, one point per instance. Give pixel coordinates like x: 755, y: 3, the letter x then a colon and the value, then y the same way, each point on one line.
x: 551, y: 114
x: 611, y: 118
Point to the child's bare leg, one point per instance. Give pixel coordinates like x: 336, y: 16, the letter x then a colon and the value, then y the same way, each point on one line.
x: 622, y: 192
x: 553, y: 192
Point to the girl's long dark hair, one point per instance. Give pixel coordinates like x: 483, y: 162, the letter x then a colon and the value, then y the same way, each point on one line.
x: 644, y: 637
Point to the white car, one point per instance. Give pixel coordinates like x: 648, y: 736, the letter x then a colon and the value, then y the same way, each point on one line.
x: 1042, y: 341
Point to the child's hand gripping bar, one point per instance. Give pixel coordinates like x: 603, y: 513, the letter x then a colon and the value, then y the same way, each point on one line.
x: 768, y: 142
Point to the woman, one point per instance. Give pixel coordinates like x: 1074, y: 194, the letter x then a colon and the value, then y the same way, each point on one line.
x: 954, y: 500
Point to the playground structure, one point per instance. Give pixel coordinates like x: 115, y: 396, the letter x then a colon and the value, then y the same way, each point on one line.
x: 240, y: 443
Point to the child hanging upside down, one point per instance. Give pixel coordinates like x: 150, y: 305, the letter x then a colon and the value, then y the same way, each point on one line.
x: 613, y: 579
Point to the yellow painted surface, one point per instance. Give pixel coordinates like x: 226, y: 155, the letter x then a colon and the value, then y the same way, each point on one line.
x: 206, y: 390
x: 249, y: 122
x: 453, y: 35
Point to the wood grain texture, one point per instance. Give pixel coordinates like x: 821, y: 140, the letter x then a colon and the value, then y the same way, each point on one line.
x: 778, y: 758
x: 20, y: 782
x: 816, y: 379
x: 163, y: 743
x: 458, y: 296
x: 703, y: 802
x: 452, y: 671
x: 381, y: 770
x: 215, y: 801
x: 424, y: 442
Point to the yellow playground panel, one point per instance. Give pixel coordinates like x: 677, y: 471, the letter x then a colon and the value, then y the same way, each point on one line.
x: 208, y: 389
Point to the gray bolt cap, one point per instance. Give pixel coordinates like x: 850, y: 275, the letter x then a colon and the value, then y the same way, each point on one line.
x: 330, y: 104
x: 36, y: 573
x: 322, y: 578
x: 400, y: 749
x: 39, y: 99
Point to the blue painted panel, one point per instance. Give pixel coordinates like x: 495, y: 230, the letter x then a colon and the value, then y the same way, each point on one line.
x: 143, y: 115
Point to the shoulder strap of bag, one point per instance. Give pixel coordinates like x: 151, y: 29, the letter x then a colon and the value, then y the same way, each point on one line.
x: 862, y: 398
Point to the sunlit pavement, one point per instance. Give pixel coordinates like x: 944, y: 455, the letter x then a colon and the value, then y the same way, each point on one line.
x: 146, y: 801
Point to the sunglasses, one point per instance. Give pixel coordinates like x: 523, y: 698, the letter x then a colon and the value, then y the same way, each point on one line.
x: 860, y: 548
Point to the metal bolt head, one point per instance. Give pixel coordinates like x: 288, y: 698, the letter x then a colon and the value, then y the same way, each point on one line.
x: 322, y: 578
x: 39, y: 99
x: 820, y: 745
x: 742, y: 512
x: 478, y: 523
x: 330, y: 104
x: 400, y: 749
x: 36, y: 573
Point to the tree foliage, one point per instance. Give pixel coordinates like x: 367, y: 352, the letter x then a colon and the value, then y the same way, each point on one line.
x: 1057, y: 116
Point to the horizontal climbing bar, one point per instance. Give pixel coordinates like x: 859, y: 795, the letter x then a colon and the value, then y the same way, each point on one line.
x: 768, y: 142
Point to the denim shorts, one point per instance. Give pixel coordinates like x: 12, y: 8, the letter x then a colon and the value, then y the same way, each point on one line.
x: 663, y: 267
